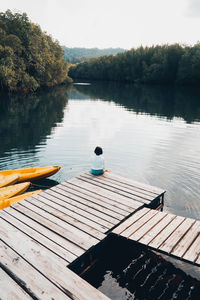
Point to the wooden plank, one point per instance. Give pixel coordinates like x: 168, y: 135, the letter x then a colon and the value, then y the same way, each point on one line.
x: 142, y: 221
x: 72, y: 233
x: 28, y: 276
x: 133, y: 204
x: 60, y: 213
x: 57, y: 226
x: 143, y: 186
x: 48, y: 264
x: 136, y: 236
x: 66, y: 191
x: 81, y: 209
x: 166, y: 232
x: 48, y: 228
x: 63, y: 243
x: 197, y: 261
x: 113, y: 189
x: 113, y: 206
x: 11, y: 227
x: 154, y: 231
x: 193, y: 252
x: 176, y: 236
x: 121, y: 208
x: 130, y: 221
x: 10, y: 290
x: 65, y: 255
x: 101, y: 191
x: 58, y: 205
x: 68, y: 203
x: 108, y: 183
x: 123, y: 184
x: 187, y: 240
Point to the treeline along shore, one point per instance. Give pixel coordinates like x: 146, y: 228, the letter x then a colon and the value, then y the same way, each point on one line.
x: 166, y: 64
x: 29, y: 58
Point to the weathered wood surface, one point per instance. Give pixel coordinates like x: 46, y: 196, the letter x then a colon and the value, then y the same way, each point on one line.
x: 40, y: 272
x: 87, y: 206
x: 69, y: 232
x: 167, y: 233
x: 10, y: 290
x: 134, y: 184
x: 97, y: 184
x: 26, y: 277
x: 110, y: 194
x: 45, y: 227
x: 42, y: 235
x: 113, y: 205
x: 110, y: 181
x: 38, y: 237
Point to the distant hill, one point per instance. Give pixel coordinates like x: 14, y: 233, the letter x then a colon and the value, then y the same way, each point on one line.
x: 76, y: 55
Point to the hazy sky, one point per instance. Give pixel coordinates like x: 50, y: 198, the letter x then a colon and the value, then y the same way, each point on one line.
x: 113, y: 23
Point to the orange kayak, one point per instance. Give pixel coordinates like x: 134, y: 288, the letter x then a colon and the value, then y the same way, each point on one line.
x: 8, y: 202
x: 8, y: 179
x: 13, y: 190
x: 31, y: 174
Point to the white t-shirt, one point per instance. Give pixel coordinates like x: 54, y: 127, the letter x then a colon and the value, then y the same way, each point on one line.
x: 98, y: 162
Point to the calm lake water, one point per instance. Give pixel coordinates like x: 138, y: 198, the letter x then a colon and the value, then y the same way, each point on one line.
x: 149, y: 134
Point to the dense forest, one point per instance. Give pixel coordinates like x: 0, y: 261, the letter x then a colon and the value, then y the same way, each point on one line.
x: 29, y: 58
x: 167, y: 64
x: 76, y: 55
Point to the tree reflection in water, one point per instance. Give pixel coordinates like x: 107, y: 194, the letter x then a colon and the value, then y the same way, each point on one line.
x: 26, y: 121
x: 165, y: 101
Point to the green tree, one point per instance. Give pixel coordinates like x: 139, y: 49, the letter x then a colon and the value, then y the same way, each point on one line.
x: 29, y: 58
x: 166, y: 64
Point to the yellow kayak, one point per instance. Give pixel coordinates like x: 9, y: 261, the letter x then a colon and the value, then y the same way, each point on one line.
x: 8, y: 202
x: 31, y: 174
x: 13, y: 190
x: 8, y: 179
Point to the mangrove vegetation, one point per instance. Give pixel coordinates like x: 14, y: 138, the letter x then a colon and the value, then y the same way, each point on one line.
x: 29, y: 58
x: 166, y: 64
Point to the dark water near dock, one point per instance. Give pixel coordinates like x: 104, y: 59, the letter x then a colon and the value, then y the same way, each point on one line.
x: 128, y: 271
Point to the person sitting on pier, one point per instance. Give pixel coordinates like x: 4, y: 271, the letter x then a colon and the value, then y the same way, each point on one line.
x: 98, y: 162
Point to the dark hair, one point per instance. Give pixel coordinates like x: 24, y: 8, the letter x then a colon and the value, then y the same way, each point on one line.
x: 98, y: 150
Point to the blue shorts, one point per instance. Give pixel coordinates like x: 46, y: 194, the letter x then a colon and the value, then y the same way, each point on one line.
x: 97, y: 172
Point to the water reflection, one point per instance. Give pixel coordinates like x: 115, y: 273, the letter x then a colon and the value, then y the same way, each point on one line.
x: 26, y: 121
x: 170, y: 102
x: 155, y: 139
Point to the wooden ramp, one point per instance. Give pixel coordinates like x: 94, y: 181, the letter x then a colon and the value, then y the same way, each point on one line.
x: 42, y: 235
x: 35, y: 250
x: 30, y: 271
x: 173, y: 235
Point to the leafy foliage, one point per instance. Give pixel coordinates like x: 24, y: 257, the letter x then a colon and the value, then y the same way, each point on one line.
x: 29, y: 58
x: 77, y: 55
x: 167, y: 64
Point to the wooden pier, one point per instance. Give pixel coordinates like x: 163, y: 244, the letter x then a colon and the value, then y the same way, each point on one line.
x: 42, y: 235
x: 167, y: 233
